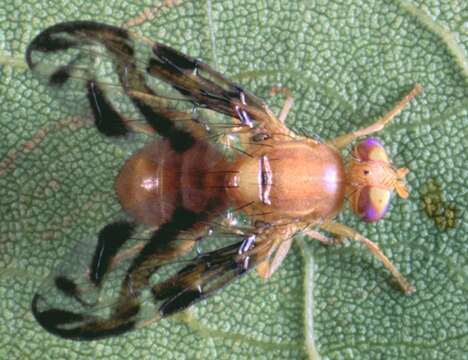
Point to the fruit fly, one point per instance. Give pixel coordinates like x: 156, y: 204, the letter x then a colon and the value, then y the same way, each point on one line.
x: 223, y: 167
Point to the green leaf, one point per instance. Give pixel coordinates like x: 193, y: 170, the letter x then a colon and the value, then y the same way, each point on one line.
x: 346, y: 63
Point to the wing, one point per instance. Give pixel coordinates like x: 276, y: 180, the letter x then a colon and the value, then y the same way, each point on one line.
x: 77, y: 50
x: 117, y: 282
x: 130, y: 275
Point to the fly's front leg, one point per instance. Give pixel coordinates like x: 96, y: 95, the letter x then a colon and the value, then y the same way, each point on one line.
x: 345, y: 231
x: 344, y: 140
x: 329, y: 241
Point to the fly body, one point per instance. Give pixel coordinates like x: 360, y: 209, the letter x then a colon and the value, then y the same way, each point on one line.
x: 221, y: 166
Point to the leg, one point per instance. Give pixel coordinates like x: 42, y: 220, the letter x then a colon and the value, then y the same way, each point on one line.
x: 345, y: 140
x: 277, y: 241
x: 287, y: 104
x: 286, y: 107
x: 322, y: 238
x: 342, y: 230
x: 268, y: 267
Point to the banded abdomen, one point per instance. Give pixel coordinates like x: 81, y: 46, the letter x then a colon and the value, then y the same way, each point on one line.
x: 157, y: 180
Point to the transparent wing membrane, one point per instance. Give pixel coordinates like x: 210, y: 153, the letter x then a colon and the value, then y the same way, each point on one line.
x: 130, y: 276
x: 122, y: 77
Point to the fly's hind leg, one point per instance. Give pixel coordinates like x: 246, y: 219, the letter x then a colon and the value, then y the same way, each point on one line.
x: 344, y: 140
x: 347, y: 232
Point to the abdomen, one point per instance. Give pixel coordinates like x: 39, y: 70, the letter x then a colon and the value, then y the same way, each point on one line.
x: 156, y: 180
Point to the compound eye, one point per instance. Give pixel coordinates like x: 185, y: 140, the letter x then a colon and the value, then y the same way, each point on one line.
x: 371, y: 203
x: 370, y: 149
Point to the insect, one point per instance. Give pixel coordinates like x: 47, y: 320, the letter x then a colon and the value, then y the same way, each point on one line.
x: 242, y: 176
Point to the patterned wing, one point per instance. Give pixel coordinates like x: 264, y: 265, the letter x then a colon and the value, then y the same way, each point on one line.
x: 130, y: 274
x: 118, y: 282
x: 106, y: 59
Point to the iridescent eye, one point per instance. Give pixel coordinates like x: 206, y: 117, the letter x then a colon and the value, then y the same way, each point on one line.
x: 370, y: 149
x: 371, y: 203
x: 369, y: 169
